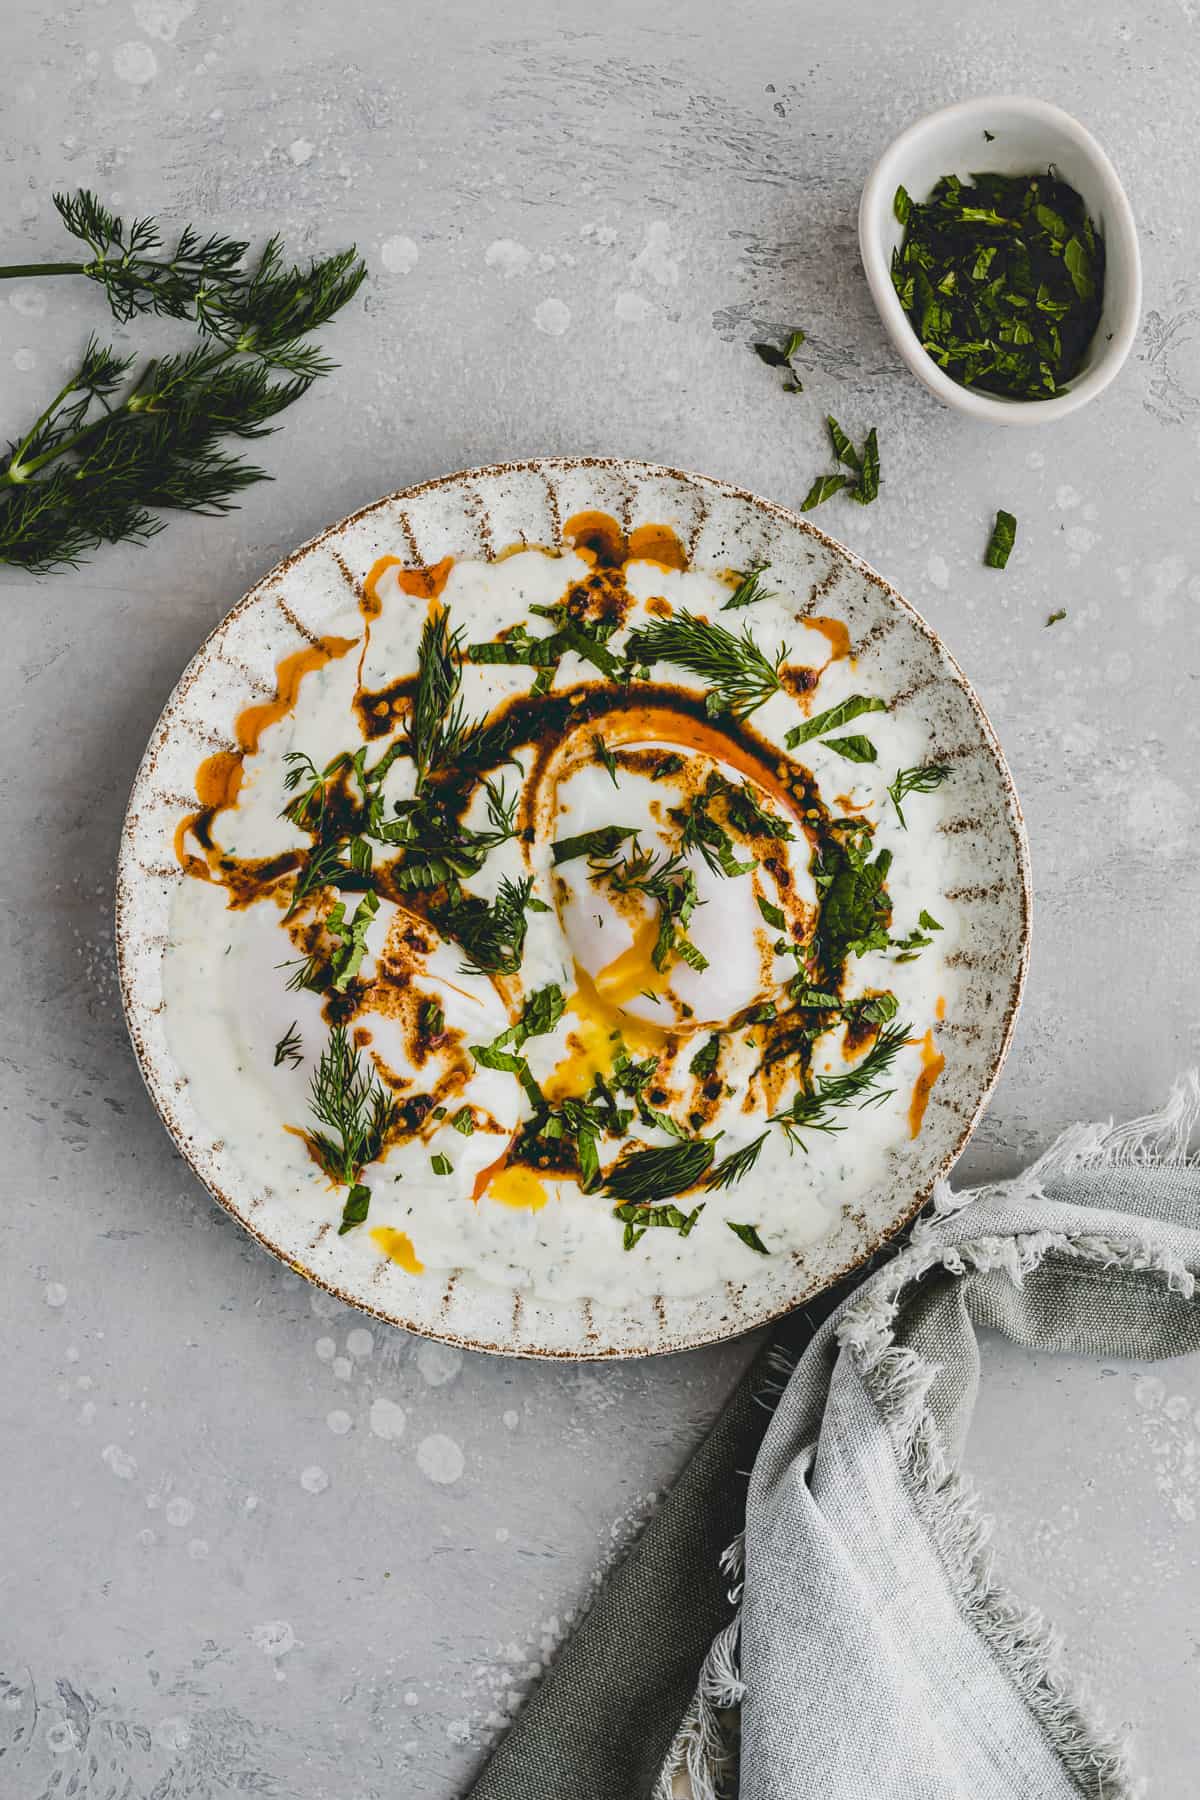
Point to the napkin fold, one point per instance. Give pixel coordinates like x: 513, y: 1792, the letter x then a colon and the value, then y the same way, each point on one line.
x: 852, y: 1637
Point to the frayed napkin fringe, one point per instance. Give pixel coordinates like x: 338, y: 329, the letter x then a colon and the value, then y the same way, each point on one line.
x: 900, y: 1382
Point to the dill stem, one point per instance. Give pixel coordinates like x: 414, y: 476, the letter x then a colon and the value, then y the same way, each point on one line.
x: 18, y: 271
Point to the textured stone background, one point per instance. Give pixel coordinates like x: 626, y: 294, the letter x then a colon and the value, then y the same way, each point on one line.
x: 249, y: 1545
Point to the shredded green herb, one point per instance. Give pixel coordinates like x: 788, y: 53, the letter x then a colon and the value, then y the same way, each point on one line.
x: 1004, y: 536
x: 1002, y: 277
x: 749, y: 1236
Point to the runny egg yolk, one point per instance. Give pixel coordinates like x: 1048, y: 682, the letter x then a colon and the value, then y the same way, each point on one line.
x: 518, y: 1187
x: 599, y: 1028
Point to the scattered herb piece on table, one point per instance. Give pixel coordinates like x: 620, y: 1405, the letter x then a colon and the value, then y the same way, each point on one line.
x: 1004, y: 536
x: 780, y: 357
x: 863, y: 479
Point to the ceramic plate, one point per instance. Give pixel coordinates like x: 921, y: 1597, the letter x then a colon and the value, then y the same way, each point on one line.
x: 477, y: 514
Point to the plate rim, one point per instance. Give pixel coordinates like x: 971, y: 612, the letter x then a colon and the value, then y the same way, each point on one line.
x: 127, y: 874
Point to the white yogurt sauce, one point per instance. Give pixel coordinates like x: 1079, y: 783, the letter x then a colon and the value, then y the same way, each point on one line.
x: 228, y: 1005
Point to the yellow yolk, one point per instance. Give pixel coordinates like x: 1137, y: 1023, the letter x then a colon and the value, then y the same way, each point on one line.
x: 601, y: 1025
x: 518, y: 1187
x: 397, y: 1245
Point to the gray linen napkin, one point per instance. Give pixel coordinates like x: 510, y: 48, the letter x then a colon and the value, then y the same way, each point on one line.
x: 876, y: 1655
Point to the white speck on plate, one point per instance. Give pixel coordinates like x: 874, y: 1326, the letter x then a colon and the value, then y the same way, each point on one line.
x: 135, y: 63
x: 300, y: 150
x: 25, y: 360
x: 399, y: 255
x: 162, y: 18
x: 502, y: 1534
x: 509, y: 257
x: 938, y: 571
x: 631, y: 308
x: 511, y: 1419
x: 179, y: 1511
x: 440, y: 1459
x: 553, y: 317
x: 325, y: 1348
x: 28, y: 302
x: 61, y: 1737
x: 1158, y: 813
x: 411, y: 1699
x: 56, y: 1294
x: 274, y: 1638
x: 438, y: 1363
x: 123, y: 1466
x: 339, y: 1422
x: 652, y: 259
x: 387, y: 1419
x: 342, y: 1367
x: 458, y: 1731
x: 172, y: 1733
x: 314, y: 1480
x: 359, y: 1344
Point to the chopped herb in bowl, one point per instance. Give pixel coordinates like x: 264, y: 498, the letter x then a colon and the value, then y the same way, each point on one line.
x: 1002, y: 278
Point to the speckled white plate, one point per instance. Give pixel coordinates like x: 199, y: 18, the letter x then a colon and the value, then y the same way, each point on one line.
x: 477, y: 513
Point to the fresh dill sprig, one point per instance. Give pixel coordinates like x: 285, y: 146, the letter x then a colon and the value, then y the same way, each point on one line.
x: 357, y: 1111
x: 707, y: 835
x: 120, y: 260
x: 491, y: 932
x: 107, y: 456
x: 749, y: 588
x: 671, y: 885
x: 323, y: 867
x: 306, y: 972
x: 916, y: 781
x: 814, y: 1107
x: 731, y: 1168
x: 264, y: 312
x: 288, y: 1049
x: 436, y: 723
x: 740, y: 678
x: 650, y: 1175
x: 609, y: 760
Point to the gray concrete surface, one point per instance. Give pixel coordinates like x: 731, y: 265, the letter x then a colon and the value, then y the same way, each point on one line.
x: 222, y: 1571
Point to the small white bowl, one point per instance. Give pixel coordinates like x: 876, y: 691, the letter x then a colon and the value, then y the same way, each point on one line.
x: 1026, y: 136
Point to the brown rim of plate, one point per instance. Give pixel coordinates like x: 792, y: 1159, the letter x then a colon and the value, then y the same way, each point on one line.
x: 540, y: 465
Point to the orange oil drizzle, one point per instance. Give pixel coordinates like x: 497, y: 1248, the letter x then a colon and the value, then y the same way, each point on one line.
x: 598, y: 538
x: 932, y: 1064
x: 219, y: 777
x: 422, y: 583
x: 837, y: 633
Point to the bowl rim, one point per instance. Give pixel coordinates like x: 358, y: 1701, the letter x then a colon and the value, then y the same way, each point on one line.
x: 131, y: 872
x: 878, y: 190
